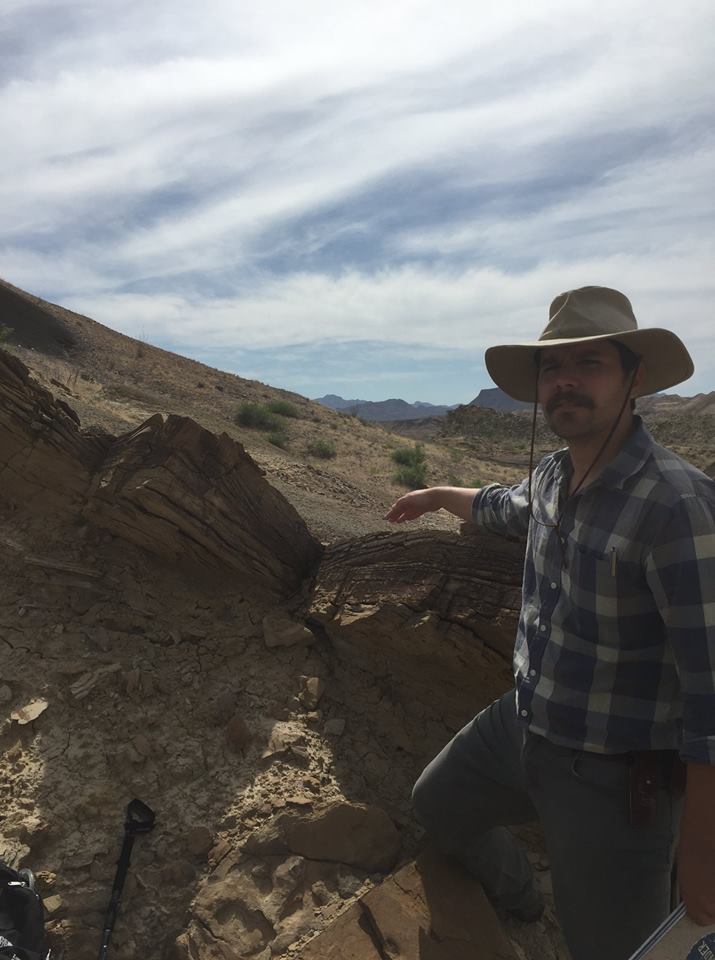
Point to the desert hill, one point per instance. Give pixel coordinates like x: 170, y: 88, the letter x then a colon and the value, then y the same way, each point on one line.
x: 174, y: 628
x: 114, y: 383
x: 496, y: 399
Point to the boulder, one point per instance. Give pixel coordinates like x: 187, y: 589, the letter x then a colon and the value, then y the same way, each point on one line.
x: 357, y: 834
x: 431, y: 909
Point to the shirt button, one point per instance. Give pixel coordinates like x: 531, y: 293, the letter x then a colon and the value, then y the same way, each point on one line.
x: 543, y: 628
x: 554, y: 584
x: 525, y: 713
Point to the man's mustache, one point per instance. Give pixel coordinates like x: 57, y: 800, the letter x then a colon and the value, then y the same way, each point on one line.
x: 573, y: 399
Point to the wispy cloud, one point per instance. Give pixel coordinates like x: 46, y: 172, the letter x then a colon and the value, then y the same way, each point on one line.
x: 419, y: 174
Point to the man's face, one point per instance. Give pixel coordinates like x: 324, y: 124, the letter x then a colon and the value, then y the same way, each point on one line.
x: 581, y: 388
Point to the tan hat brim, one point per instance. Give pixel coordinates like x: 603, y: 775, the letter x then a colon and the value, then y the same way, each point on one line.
x: 665, y: 358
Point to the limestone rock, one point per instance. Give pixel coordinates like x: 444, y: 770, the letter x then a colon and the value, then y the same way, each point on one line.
x: 245, y: 909
x: 312, y: 690
x: 30, y: 711
x: 357, y: 834
x: 286, y: 739
x: 13, y: 851
x: 280, y: 631
x: 88, y: 681
x: 53, y: 906
x: 429, y: 910
x: 347, y: 938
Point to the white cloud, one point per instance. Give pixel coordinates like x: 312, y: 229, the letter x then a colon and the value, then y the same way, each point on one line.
x: 176, y: 147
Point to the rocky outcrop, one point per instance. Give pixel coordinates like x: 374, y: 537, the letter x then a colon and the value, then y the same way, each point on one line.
x: 46, y: 462
x: 181, y: 492
x: 170, y: 486
x: 264, y: 898
x: 429, y: 910
x: 426, y: 605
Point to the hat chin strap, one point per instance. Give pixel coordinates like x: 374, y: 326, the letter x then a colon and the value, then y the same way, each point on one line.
x: 557, y: 526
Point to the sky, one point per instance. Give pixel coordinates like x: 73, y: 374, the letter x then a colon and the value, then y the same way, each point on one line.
x: 359, y: 197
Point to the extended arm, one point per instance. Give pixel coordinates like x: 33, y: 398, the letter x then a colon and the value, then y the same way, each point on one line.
x: 456, y: 500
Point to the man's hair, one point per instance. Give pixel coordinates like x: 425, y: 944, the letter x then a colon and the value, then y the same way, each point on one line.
x: 629, y: 361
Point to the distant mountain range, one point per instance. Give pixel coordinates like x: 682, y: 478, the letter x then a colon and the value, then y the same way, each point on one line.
x: 663, y: 404
x: 382, y: 410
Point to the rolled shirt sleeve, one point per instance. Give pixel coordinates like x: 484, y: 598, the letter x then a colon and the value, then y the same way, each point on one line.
x: 680, y: 570
x: 503, y: 510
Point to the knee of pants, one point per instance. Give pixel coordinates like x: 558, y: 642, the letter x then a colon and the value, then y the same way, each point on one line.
x: 426, y: 802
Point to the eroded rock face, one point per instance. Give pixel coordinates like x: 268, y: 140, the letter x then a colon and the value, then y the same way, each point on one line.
x: 170, y: 486
x: 46, y: 463
x: 425, y: 605
x: 184, y: 493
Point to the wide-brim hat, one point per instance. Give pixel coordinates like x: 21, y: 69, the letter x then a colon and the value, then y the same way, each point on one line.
x: 586, y: 315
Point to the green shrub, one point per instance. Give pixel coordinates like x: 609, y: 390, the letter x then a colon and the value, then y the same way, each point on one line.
x: 324, y: 449
x: 279, y: 438
x: 5, y: 332
x: 257, y: 416
x: 413, y: 461
x: 409, y: 456
x: 414, y: 476
x: 284, y: 408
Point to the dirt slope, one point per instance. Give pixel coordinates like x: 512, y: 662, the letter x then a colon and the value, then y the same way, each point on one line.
x: 114, y: 382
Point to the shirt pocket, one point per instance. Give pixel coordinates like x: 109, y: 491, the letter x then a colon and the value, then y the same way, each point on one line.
x: 605, y: 587
x: 596, y: 580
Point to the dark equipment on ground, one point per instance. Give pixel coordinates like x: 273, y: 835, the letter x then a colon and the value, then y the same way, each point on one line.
x: 139, y: 818
x: 22, y: 916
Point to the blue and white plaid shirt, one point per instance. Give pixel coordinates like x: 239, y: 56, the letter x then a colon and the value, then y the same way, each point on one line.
x: 615, y: 649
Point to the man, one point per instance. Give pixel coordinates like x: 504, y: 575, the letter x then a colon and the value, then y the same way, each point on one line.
x: 614, y: 660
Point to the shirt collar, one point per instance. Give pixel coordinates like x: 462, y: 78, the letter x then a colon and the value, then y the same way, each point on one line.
x: 630, y: 458
x: 628, y: 461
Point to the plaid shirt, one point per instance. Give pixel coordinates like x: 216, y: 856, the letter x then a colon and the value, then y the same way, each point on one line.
x: 615, y: 649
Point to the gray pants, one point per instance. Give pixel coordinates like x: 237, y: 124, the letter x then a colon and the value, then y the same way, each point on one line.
x: 611, y: 880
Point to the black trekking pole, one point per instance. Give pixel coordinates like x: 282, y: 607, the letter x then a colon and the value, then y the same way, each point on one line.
x: 139, y: 818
